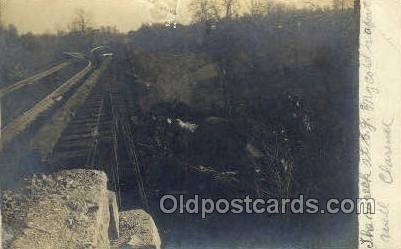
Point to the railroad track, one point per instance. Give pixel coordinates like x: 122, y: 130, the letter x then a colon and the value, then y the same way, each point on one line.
x: 91, y: 138
x: 49, y: 134
x: 30, y: 80
x: 79, y: 143
x: 124, y: 137
x: 26, y: 119
x: 100, y: 137
x: 90, y: 127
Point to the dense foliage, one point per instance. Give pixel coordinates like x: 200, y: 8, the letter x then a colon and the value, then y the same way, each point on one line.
x: 286, y: 79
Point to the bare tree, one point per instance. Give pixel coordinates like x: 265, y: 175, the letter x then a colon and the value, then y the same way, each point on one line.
x: 338, y: 4
x: 257, y: 7
x: 81, y: 22
x: 230, y: 7
x: 204, y: 10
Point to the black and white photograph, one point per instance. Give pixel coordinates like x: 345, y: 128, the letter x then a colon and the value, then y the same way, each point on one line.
x: 188, y: 124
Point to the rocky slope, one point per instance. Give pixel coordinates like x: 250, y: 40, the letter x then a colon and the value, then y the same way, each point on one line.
x: 72, y: 209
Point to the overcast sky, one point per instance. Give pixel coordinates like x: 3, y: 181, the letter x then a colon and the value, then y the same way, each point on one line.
x: 41, y: 16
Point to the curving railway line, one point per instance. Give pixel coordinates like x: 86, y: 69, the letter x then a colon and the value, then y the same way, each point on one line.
x: 23, y: 136
x: 28, y: 81
x: 25, y: 120
x: 48, y: 135
x: 84, y: 123
x: 100, y: 136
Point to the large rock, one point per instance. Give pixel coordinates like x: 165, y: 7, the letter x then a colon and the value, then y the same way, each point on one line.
x: 14, y: 208
x: 67, y: 210
x: 137, y: 231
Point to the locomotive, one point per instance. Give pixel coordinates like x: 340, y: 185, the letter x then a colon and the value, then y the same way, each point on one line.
x: 98, y: 54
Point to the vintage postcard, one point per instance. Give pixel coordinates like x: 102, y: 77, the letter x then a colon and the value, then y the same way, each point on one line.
x: 218, y: 124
